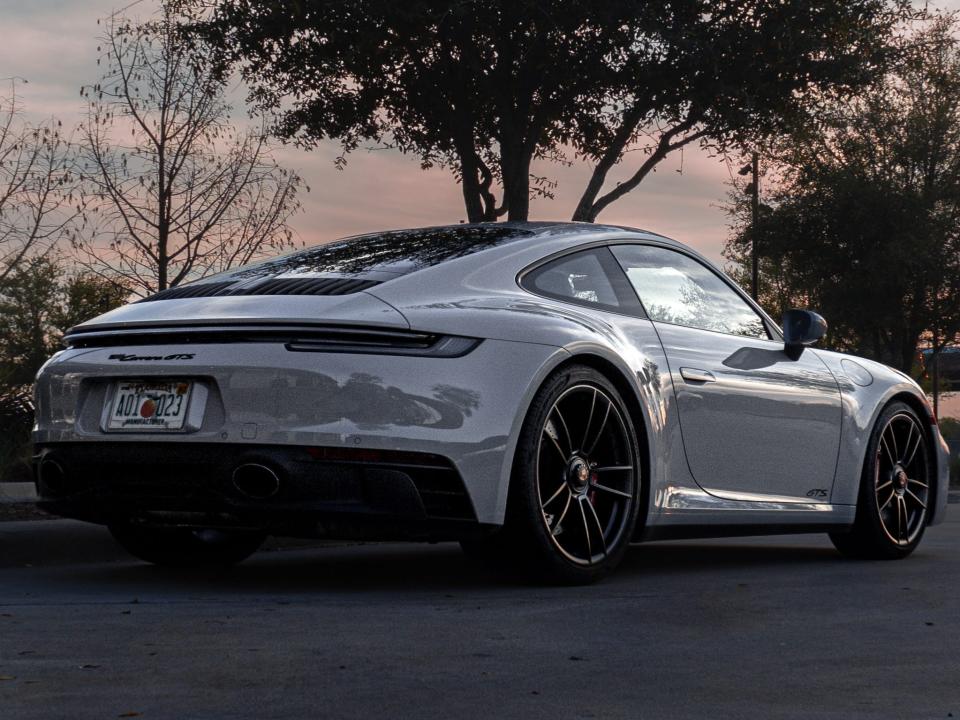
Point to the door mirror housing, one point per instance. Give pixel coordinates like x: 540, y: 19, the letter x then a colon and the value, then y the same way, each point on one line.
x: 801, y: 328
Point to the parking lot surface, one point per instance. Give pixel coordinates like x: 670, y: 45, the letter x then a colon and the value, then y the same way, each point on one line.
x: 778, y: 627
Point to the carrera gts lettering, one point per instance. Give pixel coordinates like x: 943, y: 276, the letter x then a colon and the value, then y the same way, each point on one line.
x: 129, y: 358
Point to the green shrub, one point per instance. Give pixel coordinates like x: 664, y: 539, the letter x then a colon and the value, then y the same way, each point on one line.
x: 950, y: 429
x: 16, y: 422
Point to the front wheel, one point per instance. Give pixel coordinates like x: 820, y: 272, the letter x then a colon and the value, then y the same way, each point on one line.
x: 894, y: 490
x: 575, y: 489
x: 183, y: 547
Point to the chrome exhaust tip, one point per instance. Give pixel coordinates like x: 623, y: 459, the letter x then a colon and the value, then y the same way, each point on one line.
x: 255, y: 481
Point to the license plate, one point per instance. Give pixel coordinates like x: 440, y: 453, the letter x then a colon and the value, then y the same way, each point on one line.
x: 149, y: 405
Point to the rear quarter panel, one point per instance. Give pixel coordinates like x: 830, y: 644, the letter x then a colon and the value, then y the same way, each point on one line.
x: 467, y: 409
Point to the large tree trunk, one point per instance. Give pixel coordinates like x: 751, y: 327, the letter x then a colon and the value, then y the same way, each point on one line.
x: 518, y: 199
x: 515, y: 168
x: 908, y: 354
x: 470, y: 184
x: 585, y: 211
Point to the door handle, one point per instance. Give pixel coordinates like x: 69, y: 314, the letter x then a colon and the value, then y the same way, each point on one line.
x: 697, y: 376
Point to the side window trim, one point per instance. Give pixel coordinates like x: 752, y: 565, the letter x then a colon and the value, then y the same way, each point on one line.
x: 625, y: 294
x: 771, y: 330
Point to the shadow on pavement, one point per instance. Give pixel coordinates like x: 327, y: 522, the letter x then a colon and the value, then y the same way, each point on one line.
x: 397, y: 569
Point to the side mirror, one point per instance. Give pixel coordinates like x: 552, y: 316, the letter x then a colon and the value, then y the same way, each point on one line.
x: 800, y: 329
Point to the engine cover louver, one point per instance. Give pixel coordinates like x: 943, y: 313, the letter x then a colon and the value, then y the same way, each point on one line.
x: 276, y: 286
x: 309, y: 286
x: 189, y: 291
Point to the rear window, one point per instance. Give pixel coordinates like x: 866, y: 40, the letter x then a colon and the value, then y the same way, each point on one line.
x: 578, y: 278
x: 398, y: 252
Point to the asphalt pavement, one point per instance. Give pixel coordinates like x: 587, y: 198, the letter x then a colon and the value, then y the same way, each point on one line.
x: 777, y: 627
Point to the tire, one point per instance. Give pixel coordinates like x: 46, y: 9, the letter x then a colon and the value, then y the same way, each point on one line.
x: 181, y: 547
x: 895, y: 489
x: 575, y: 486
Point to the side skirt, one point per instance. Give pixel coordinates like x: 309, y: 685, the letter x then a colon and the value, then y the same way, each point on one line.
x: 688, y: 532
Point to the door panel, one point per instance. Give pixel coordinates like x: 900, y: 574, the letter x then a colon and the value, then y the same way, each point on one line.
x: 753, y: 421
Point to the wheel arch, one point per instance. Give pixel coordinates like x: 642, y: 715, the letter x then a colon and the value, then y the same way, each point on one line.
x: 923, y: 411
x: 620, y: 379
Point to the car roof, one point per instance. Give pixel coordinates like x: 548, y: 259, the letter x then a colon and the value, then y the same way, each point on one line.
x: 390, y: 254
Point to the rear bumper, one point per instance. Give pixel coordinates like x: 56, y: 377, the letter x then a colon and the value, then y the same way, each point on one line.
x: 332, y: 492
x: 262, y: 395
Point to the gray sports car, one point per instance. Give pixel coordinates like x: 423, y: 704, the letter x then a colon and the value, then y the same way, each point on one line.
x: 544, y: 393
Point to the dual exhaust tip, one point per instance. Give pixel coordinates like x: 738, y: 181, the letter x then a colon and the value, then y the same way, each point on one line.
x: 256, y: 481
x: 252, y: 480
x: 53, y: 476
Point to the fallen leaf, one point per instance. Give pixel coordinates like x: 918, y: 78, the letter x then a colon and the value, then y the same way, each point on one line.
x: 131, y: 713
x: 7, y: 677
x: 88, y: 667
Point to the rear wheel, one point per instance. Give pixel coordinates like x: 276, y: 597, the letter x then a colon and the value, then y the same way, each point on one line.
x: 575, y: 489
x: 894, y: 490
x: 182, y: 547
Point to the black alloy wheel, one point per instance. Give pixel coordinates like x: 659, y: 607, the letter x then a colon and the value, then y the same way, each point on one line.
x: 576, y: 485
x: 895, y: 494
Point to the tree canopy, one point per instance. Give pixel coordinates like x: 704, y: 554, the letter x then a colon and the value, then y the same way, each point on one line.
x: 38, y: 303
x: 863, y: 218
x: 488, y: 87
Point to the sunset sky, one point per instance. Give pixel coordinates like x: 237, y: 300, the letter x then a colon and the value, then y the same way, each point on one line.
x: 52, y: 44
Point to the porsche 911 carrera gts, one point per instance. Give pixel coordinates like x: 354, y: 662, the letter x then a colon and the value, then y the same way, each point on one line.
x: 544, y: 393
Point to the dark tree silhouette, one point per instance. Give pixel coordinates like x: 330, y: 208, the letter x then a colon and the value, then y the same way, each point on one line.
x: 487, y: 87
x: 862, y: 219
x: 38, y: 303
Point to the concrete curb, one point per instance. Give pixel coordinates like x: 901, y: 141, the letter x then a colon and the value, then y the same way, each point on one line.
x: 18, y: 491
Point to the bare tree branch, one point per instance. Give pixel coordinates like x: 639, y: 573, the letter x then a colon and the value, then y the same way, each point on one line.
x: 173, y: 191
x: 37, y: 201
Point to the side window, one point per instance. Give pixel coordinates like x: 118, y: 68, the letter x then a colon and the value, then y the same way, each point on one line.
x: 674, y: 288
x: 579, y: 278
